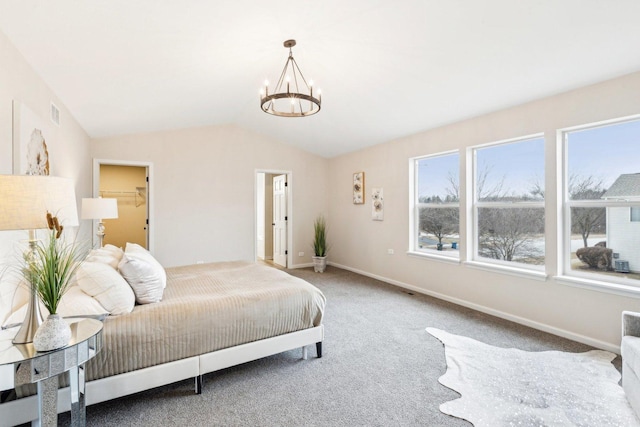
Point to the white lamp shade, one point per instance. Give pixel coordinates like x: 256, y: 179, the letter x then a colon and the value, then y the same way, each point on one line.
x: 26, y: 199
x: 99, y: 208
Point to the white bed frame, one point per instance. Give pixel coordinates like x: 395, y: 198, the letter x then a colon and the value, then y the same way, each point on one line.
x: 26, y: 409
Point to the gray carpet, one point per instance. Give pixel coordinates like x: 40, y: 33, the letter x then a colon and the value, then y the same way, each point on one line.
x: 380, y: 367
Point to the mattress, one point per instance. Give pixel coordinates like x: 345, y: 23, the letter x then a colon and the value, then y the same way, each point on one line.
x: 207, y: 307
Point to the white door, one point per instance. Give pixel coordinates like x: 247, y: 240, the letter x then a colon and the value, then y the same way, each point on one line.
x: 280, y: 220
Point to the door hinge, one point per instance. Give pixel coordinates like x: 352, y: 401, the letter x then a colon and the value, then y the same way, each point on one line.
x: 147, y: 221
x: 286, y: 184
x: 286, y: 252
x: 147, y: 179
x: 286, y: 218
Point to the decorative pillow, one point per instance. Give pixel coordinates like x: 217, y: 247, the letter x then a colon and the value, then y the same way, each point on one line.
x: 134, y: 247
x: 145, y: 275
x: 76, y: 303
x: 17, y: 317
x: 107, y: 286
x: 114, y: 250
x: 104, y: 256
x: 14, y: 293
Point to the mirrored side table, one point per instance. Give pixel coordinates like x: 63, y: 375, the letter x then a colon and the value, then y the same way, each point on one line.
x: 20, y: 364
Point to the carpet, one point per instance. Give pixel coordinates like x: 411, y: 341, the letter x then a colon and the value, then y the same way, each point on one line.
x: 511, y: 387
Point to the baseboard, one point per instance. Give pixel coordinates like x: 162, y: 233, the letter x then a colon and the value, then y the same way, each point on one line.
x: 309, y: 264
x: 501, y: 314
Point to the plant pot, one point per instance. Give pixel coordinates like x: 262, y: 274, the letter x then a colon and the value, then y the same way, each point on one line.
x: 319, y: 263
x: 54, y: 333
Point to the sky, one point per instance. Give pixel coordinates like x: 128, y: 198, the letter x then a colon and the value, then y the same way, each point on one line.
x: 604, y: 152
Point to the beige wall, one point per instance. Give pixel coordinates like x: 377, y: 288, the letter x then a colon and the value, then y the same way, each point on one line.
x: 361, y: 244
x: 203, y: 189
x: 68, y: 144
x: 121, y: 182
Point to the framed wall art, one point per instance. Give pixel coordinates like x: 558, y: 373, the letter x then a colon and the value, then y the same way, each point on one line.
x: 30, y: 133
x: 377, y: 204
x: 358, y: 188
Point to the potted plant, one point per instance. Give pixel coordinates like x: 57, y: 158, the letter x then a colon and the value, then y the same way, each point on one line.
x: 320, y: 244
x: 50, y: 269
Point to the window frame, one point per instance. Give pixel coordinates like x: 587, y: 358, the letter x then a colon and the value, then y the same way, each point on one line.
x: 473, y: 250
x: 415, y: 205
x: 590, y: 280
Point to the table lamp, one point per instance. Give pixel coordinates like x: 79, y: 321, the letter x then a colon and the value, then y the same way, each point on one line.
x: 100, y: 209
x: 25, y: 201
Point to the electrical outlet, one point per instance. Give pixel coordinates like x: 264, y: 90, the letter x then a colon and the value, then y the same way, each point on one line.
x: 390, y: 251
x: 300, y: 253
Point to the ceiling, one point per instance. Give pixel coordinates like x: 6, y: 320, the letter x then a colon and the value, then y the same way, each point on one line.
x: 386, y: 68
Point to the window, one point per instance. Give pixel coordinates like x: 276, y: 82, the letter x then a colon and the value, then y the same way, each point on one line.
x: 601, y: 192
x: 435, y: 225
x: 508, y: 203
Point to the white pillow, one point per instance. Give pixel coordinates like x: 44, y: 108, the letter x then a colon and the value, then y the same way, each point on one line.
x: 145, y: 275
x: 77, y: 303
x: 17, y: 317
x: 107, y: 286
x: 14, y: 293
x: 134, y: 247
x: 104, y: 256
x: 74, y: 303
x: 114, y: 250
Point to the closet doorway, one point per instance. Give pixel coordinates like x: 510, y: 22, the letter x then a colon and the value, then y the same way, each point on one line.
x: 273, y: 230
x: 128, y: 183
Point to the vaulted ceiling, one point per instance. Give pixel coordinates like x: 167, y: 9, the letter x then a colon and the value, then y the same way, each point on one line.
x: 386, y: 68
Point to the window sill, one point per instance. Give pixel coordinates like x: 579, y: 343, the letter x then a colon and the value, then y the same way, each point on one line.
x: 513, y: 271
x: 451, y: 260
x: 596, y: 285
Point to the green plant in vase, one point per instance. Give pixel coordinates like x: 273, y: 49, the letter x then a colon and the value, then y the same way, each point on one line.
x: 320, y: 247
x: 50, y: 269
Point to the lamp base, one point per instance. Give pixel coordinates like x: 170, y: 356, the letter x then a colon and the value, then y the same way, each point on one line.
x: 100, y: 233
x: 32, y: 321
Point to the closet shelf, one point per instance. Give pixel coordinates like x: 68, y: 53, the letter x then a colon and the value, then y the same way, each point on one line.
x: 140, y: 195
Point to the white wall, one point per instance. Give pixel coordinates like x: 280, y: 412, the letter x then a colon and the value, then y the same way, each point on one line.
x: 68, y: 145
x: 204, y: 188
x: 361, y: 244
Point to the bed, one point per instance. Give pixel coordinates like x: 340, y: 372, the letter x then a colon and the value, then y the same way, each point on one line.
x: 211, y: 316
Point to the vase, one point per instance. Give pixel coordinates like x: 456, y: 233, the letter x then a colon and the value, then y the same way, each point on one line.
x: 319, y: 263
x: 54, y: 333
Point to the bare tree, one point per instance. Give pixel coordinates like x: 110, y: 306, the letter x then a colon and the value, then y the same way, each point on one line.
x: 484, y: 191
x: 584, y: 221
x: 440, y: 222
x: 508, y: 234
x: 453, y: 190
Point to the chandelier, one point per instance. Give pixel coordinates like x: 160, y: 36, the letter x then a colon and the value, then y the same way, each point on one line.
x: 288, y: 99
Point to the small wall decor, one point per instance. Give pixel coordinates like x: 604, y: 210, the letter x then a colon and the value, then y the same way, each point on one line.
x: 30, y: 152
x: 377, y: 204
x: 358, y: 188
